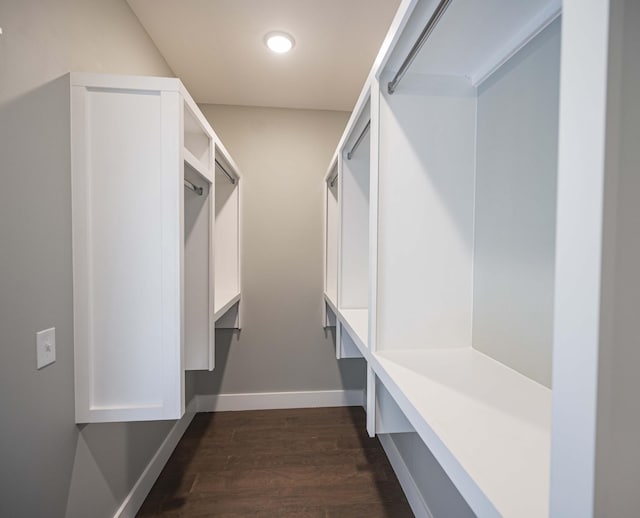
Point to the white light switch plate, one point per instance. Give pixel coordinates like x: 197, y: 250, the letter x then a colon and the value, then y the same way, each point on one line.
x: 46, y: 347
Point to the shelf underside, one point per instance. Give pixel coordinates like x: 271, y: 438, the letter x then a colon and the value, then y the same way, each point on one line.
x: 488, y: 425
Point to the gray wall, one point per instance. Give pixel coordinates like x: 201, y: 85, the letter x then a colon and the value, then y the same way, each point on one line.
x: 283, y: 155
x: 516, y: 175
x: 51, y: 467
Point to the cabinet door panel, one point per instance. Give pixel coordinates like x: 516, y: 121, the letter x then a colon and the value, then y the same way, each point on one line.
x: 127, y: 260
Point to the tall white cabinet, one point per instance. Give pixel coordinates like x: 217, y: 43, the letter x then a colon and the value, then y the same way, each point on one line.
x: 468, y: 254
x: 153, y: 239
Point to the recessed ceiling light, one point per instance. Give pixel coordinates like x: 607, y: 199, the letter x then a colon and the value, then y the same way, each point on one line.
x: 279, y: 42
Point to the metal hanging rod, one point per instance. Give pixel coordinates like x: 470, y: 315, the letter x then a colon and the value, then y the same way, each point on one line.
x: 193, y: 187
x: 355, y: 146
x: 333, y: 180
x: 424, y: 36
x: 231, y: 178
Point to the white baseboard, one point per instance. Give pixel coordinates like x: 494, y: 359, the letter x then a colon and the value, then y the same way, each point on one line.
x: 274, y: 400
x: 409, y: 486
x: 143, y: 485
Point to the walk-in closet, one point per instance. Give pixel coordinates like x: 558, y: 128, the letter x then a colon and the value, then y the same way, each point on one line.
x: 321, y: 258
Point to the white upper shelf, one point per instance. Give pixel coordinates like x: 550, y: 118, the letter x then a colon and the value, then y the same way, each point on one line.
x: 497, y: 28
x: 195, y: 164
x: 488, y: 425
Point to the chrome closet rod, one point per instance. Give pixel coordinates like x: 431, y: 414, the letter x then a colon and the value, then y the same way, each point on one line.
x: 424, y: 36
x: 231, y: 178
x: 355, y: 146
x: 193, y: 187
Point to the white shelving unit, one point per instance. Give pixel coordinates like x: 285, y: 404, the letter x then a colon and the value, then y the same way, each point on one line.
x: 199, y: 339
x: 467, y: 177
x: 227, y: 240
x: 144, y: 200
x: 331, y: 243
x: 331, y: 236
x: 473, y: 204
x: 353, y: 224
x: 344, y: 345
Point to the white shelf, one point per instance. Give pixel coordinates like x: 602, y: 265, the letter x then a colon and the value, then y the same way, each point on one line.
x: 506, y: 27
x: 356, y: 322
x: 487, y: 425
x: 331, y: 301
x: 223, y: 304
x: 196, y: 165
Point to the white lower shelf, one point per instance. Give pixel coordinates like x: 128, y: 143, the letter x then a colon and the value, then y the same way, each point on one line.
x: 356, y: 322
x: 224, y: 303
x: 488, y: 426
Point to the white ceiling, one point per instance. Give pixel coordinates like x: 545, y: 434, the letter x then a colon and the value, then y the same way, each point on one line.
x: 216, y: 47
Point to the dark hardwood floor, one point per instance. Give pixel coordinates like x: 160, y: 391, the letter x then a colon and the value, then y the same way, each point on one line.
x: 303, y: 463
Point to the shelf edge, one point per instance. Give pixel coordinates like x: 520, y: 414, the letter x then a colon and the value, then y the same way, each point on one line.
x: 218, y: 314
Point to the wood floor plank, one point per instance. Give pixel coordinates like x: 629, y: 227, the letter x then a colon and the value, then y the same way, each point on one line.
x: 302, y: 463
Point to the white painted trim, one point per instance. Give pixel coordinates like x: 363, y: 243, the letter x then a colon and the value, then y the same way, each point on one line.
x: 407, y: 482
x: 333, y: 165
x: 274, y: 400
x: 226, y: 156
x: 136, y: 497
x: 325, y: 234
